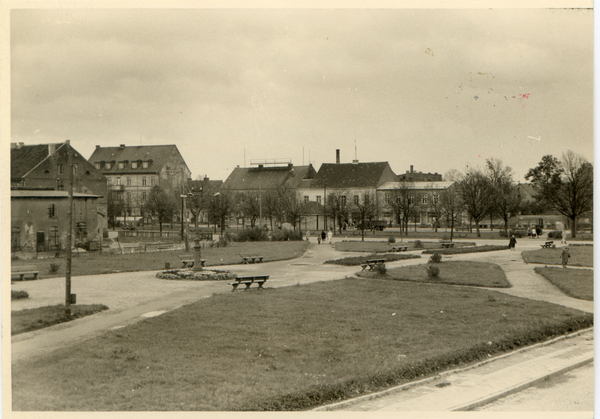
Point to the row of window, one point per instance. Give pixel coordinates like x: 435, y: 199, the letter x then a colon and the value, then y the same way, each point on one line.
x: 121, y: 197
x: 118, y: 181
x: 122, y: 164
x: 411, y: 199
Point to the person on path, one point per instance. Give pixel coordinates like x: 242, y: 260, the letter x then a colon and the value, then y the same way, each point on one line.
x: 565, y: 257
x: 533, y: 233
x: 563, y: 237
x: 329, y: 236
x: 512, y: 242
x: 307, y: 235
x: 323, y: 236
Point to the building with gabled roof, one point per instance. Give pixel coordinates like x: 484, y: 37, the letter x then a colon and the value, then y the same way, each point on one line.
x: 132, y: 171
x: 261, y: 177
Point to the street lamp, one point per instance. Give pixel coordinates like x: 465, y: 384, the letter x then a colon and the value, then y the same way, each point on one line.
x: 197, y: 248
x: 184, y: 234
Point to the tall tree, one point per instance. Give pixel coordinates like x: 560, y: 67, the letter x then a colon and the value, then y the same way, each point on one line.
x: 404, y: 203
x: 506, y: 199
x: 250, y: 206
x: 114, y: 207
x: 160, y: 205
x: 451, y: 207
x: 364, y: 209
x: 293, y: 207
x: 566, y: 184
x: 220, y: 206
x: 476, y: 194
x: 337, y: 207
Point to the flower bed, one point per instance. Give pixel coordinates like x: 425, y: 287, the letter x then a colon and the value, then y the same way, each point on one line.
x: 190, y: 275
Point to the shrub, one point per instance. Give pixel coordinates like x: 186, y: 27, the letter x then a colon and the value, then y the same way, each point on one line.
x: 435, y: 258
x: 15, y: 295
x: 433, y: 271
x: 381, y: 269
x: 555, y: 234
x: 253, y: 234
x: 54, y: 268
x: 418, y: 244
x: 391, y: 240
x: 285, y: 235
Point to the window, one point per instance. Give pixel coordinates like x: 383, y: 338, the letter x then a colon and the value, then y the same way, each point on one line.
x: 343, y: 200
x: 356, y: 200
x: 118, y: 181
x: 15, y: 239
x: 305, y: 199
x: 121, y: 165
x: 128, y: 196
x: 134, y: 165
x: 387, y: 198
x: 107, y: 165
x: 51, y: 210
x: 424, y: 200
x: 109, y: 180
x: 411, y: 199
x: 436, y: 199
x: 145, y: 164
x: 143, y: 196
x: 53, y: 238
x: 128, y: 181
x: 61, y: 169
x: 144, y: 181
x: 152, y: 181
x: 81, y: 231
x: 319, y: 199
x: 59, y: 185
x: 97, y: 165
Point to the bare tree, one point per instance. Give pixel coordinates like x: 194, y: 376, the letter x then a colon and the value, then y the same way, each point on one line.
x: 220, y: 206
x: 506, y: 198
x: 404, y: 203
x: 293, y: 207
x: 160, y: 204
x: 566, y: 185
x: 451, y: 207
x: 250, y: 206
x: 365, y: 209
x: 476, y: 194
x: 337, y: 207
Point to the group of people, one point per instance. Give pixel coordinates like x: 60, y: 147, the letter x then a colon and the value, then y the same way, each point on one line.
x: 565, y: 255
x: 322, y: 236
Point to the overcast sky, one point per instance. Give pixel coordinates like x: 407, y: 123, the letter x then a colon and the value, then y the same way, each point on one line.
x: 438, y: 89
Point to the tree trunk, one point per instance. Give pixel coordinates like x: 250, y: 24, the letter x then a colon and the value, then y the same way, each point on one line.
x: 573, y: 227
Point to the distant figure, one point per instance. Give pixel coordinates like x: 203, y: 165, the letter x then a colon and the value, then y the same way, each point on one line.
x: 533, y: 233
x: 512, y: 242
x: 565, y: 257
x: 307, y: 235
x: 323, y: 236
x: 563, y: 237
x: 329, y: 236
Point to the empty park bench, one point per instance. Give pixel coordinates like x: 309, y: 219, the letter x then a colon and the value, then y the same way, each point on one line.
x: 399, y: 248
x: 188, y: 261
x: 249, y: 280
x: 21, y: 271
x: 371, y: 264
x: 548, y: 245
x: 251, y: 259
x: 447, y: 245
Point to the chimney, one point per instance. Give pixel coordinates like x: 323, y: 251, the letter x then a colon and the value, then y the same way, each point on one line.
x: 205, y: 178
x: 122, y: 146
x: 51, y: 148
x: 68, y: 142
x: 411, y: 168
x: 337, y: 156
x: 13, y: 145
x: 355, y: 161
x: 97, y: 146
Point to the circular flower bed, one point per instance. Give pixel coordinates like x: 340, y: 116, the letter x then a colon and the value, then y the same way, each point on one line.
x: 190, y: 275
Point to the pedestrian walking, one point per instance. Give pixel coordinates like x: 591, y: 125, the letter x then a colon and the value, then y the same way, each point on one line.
x: 512, y: 242
x: 323, y: 236
x: 329, y: 236
x: 533, y: 233
x: 565, y: 257
x: 563, y: 237
x: 307, y: 235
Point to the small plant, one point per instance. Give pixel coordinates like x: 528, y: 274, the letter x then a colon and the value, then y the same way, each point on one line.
x: 418, y: 244
x: 54, y: 268
x: 16, y: 295
x: 491, y: 298
x: 556, y: 234
x: 391, y: 240
x: 433, y: 271
x: 435, y: 258
x: 381, y: 269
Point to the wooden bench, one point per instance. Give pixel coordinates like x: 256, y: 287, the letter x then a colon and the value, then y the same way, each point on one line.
x: 188, y: 262
x: 371, y: 264
x: 252, y: 259
x: 399, y: 248
x: 548, y: 245
x: 249, y: 280
x: 21, y: 271
x: 447, y: 245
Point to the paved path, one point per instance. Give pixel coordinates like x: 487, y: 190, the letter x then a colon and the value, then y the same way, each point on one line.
x: 137, y: 295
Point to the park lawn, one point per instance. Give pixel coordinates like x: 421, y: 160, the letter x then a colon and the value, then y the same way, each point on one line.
x: 100, y: 263
x: 287, y: 348
x: 479, y: 274
x: 577, y: 283
x: 382, y: 247
x: 580, y: 256
x: 470, y: 249
x: 38, y: 318
x: 359, y: 260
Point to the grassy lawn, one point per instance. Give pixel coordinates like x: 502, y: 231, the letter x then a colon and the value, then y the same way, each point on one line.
x: 384, y: 246
x: 101, y: 263
x: 38, y: 318
x: 580, y: 256
x: 359, y: 260
x: 288, y: 348
x: 479, y: 274
x: 472, y: 249
x: 577, y: 283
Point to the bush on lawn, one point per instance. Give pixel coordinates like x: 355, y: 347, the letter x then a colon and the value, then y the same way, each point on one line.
x: 517, y: 234
x: 460, y: 250
x: 381, y: 269
x: 435, y: 258
x: 418, y: 244
x: 433, y: 271
x: 555, y: 234
x: 285, y: 235
x: 391, y: 240
x: 16, y: 295
x: 252, y: 234
x: 54, y: 268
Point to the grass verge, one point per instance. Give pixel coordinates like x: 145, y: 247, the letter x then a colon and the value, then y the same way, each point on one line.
x: 101, y: 263
x: 359, y: 260
x: 296, y: 348
x: 580, y: 256
x: 461, y: 250
x: 478, y: 274
x: 577, y: 283
x: 38, y: 318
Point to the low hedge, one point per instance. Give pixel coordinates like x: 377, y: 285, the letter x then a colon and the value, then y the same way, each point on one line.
x: 460, y: 250
x: 16, y: 295
x: 360, y: 260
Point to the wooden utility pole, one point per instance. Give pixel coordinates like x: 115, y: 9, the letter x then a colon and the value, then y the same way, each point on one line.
x: 69, y: 235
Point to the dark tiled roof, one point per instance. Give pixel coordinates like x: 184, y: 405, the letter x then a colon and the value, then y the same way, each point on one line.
x: 255, y: 178
x: 204, y: 184
x: 158, y: 155
x: 26, y: 157
x: 353, y: 175
x: 313, y: 208
x: 49, y: 194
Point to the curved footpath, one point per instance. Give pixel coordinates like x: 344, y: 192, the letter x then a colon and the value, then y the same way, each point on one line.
x: 133, y: 296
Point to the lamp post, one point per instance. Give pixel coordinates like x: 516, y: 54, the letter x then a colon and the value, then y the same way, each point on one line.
x: 197, y: 247
x: 184, y: 220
